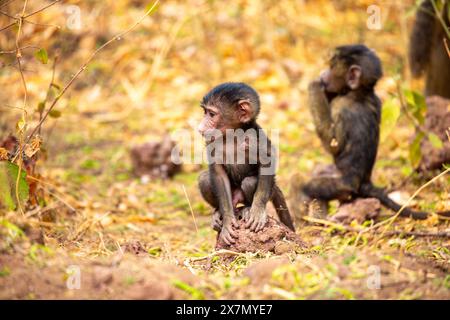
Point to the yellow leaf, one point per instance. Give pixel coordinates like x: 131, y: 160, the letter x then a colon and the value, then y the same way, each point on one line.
x: 33, y: 147
x: 3, y: 154
x: 21, y: 125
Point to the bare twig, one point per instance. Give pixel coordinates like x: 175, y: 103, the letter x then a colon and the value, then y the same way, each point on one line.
x: 50, y: 85
x: 327, y: 223
x: 83, y: 67
x: 216, y: 253
x: 71, y: 208
x: 7, y: 15
x: 40, y: 10
x: 8, y: 26
x: 11, y: 107
x: 341, y: 227
x: 21, y: 49
x: 6, y: 3
x: 440, y: 18
x: 392, y: 219
x: 446, y: 47
x: 42, y: 24
x: 54, y: 193
x: 24, y: 112
x: 190, y: 207
x: 22, y: 18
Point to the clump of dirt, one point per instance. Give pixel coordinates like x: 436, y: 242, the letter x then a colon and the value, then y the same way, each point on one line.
x: 437, y: 121
x: 261, y: 271
x: 363, y: 274
x: 275, y: 238
x: 62, y: 277
x: 359, y: 210
x: 135, y: 247
x: 153, y: 159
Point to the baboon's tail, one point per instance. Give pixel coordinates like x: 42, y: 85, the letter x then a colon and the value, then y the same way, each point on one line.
x: 370, y: 191
x: 279, y: 202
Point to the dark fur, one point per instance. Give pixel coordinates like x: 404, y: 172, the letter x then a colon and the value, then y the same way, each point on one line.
x: 348, y: 125
x: 427, y: 53
x: 257, y: 189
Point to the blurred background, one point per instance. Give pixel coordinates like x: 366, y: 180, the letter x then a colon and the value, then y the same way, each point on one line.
x: 149, y: 83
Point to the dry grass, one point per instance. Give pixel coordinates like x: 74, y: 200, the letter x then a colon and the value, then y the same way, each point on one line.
x: 150, y: 83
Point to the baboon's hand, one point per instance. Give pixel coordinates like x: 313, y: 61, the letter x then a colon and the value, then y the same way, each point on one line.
x: 227, y: 234
x: 255, y: 218
x: 216, y: 222
x: 316, y: 86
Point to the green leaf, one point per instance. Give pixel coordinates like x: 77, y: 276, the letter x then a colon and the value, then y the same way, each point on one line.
x: 41, y: 106
x: 435, y: 141
x: 149, y: 6
x: 415, y: 154
x: 155, y: 251
x: 41, y: 55
x: 416, y: 104
x: 14, y: 231
x: 420, y: 100
x: 5, y: 271
x: 56, y: 86
x: 90, y: 164
x: 389, y: 116
x: 8, y: 177
x: 55, y: 113
x: 195, y: 293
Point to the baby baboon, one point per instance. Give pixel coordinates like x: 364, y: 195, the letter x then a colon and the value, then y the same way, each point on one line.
x: 233, y: 107
x: 346, y: 113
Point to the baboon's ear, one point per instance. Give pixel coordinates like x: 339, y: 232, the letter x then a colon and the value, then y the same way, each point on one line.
x: 354, y: 77
x: 245, y: 111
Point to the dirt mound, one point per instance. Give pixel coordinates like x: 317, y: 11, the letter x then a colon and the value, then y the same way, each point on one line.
x: 363, y: 274
x: 124, y: 277
x: 153, y: 159
x: 275, y: 238
x: 359, y: 210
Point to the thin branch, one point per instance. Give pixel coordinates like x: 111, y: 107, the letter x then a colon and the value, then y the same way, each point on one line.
x: 23, y: 17
x: 71, y: 208
x: 42, y: 24
x: 47, y: 96
x: 441, y: 20
x: 190, y: 207
x: 7, y: 15
x: 11, y: 107
x: 21, y: 49
x: 8, y: 26
x: 6, y: 3
x: 341, y: 227
x: 24, y: 111
x: 83, y: 67
x: 446, y: 47
x: 40, y: 10
x: 392, y: 219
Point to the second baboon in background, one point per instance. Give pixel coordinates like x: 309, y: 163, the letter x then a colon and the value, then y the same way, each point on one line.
x: 346, y: 113
x: 427, y: 51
